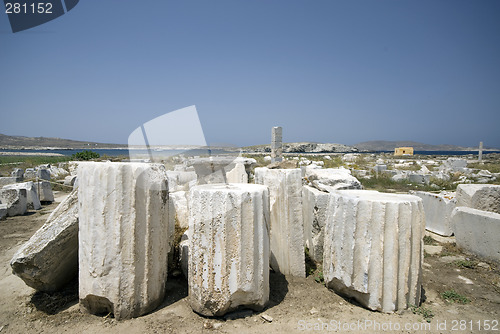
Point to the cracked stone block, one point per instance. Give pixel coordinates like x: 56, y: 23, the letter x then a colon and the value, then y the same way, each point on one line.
x: 314, y: 211
x: 438, y: 209
x: 228, y: 248
x: 124, y: 237
x: 287, y: 229
x: 49, y: 260
x: 16, y: 201
x: 484, y: 197
x: 32, y: 200
x: 373, y: 249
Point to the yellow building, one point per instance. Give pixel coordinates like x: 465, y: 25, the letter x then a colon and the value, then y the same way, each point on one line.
x: 403, y: 151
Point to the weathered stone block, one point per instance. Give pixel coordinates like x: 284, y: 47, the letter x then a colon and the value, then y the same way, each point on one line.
x: 454, y: 165
x: 123, y: 237
x: 373, y: 248
x: 484, y: 197
x: 329, y: 179
x: 3, y: 211
x: 30, y: 173
x: 45, y: 191
x: 43, y: 174
x: 18, y: 173
x: 287, y: 229
x: 314, y: 211
x: 7, y: 180
x: 238, y: 174
x: 178, y: 209
x: 228, y: 247
x: 70, y: 180
x: 419, y: 178
x: 16, y: 201
x: 478, y: 232
x: 49, y: 260
x: 380, y: 168
x: 32, y: 200
x: 180, y: 180
x: 438, y: 209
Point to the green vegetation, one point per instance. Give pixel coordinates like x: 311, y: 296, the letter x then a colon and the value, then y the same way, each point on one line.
x: 428, y: 240
x: 454, y: 297
x: 465, y: 264
x: 335, y: 161
x: 85, y: 155
x: 258, y: 157
x: 493, y: 167
x: 319, y: 277
x: 313, y: 268
x: 9, y: 162
x: 425, y: 312
x: 384, y: 183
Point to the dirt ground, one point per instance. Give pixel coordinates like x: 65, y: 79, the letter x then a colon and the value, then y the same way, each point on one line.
x: 296, y: 304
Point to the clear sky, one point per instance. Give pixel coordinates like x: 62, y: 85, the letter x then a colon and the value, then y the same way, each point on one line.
x: 326, y: 71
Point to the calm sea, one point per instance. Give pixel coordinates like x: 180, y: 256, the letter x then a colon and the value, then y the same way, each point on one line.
x: 124, y: 152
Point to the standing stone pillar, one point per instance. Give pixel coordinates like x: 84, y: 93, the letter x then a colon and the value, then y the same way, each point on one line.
x: 287, y: 229
x: 276, y: 144
x: 373, y: 248
x: 480, y: 158
x: 228, y: 247
x: 123, y: 237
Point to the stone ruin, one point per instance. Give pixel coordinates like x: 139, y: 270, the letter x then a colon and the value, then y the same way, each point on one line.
x: 235, y: 232
x: 121, y: 220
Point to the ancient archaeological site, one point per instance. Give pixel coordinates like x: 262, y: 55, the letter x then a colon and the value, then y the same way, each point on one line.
x: 278, y: 243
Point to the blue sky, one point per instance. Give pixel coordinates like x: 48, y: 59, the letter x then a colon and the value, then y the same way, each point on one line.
x: 326, y: 71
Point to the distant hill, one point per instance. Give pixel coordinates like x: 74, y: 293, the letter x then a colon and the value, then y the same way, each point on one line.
x: 382, y: 145
x: 19, y: 142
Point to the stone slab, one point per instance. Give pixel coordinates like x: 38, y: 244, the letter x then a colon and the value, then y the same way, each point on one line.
x: 49, y: 260
x: 44, y: 189
x: 438, y: 209
x: 477, y: 232
x: 287, y: 227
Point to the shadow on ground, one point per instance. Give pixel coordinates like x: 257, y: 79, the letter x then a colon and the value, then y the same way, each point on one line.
x: 55, y: 302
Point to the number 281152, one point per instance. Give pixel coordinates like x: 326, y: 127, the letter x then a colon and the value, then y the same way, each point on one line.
x: 23, y: 8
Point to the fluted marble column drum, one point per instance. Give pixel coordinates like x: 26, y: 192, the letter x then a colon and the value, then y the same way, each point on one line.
x: 124, y: 237
x: 373, y: 248
x: 228, y: 247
